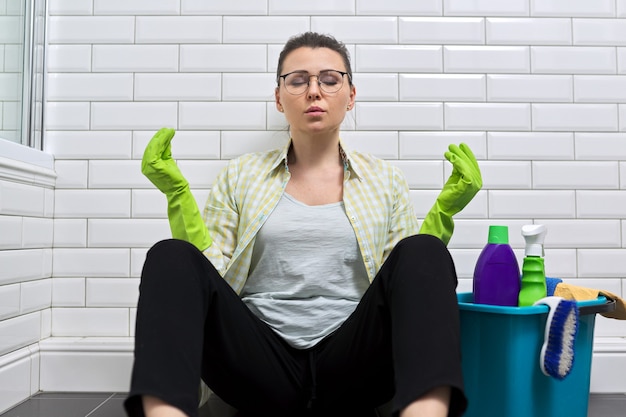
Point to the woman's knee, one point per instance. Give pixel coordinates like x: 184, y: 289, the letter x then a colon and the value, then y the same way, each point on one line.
x: 422, y: 244
x: 170, y: 247
x: 426, y: 256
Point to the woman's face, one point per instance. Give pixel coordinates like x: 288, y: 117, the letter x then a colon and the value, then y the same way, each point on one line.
x: 315, y: 111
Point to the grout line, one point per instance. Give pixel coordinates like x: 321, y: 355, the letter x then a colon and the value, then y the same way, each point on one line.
x: 100, y: 405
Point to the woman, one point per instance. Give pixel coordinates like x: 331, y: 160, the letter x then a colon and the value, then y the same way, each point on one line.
x: 307, y: 290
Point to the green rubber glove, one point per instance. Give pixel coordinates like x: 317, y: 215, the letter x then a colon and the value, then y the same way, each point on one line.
x: 463, y: 184
x: 182, y: 211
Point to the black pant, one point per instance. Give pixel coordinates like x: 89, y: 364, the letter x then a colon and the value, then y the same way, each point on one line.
x: 401, y: 341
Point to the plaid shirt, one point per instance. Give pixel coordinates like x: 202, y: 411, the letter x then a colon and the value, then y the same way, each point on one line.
x: 375, y: 196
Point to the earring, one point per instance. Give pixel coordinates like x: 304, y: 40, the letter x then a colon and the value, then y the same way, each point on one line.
x: 349, y: 108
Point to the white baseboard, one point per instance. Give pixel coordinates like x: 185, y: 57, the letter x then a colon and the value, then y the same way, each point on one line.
x: 19, y: 376
x: 91, y: 364
x: 103, y: 364
x: 608, y: 365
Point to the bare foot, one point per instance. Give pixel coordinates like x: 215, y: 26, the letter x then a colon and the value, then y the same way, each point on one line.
x: 154, y: 407
x: 435, y: 403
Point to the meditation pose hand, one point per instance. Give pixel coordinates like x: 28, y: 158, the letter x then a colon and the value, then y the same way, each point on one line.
x: 463, y: 184
x: 182, y: 210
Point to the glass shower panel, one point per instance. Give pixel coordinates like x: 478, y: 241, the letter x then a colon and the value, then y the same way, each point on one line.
x: 22, y: 48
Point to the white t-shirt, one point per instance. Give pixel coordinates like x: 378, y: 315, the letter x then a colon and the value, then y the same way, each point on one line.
x: 307, y: 275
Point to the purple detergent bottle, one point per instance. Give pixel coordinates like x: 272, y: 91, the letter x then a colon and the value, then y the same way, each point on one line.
x: 496, y: 275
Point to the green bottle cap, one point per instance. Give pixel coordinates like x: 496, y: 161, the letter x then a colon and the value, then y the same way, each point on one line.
x: 498, y: 234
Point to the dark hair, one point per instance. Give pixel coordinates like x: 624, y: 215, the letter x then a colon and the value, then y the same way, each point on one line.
x: 314, y: 40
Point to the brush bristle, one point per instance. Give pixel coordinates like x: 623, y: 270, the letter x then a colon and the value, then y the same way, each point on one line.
x: 559, y: 352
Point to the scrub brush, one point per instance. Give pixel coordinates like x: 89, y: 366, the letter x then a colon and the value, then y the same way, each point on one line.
x: 557, y: 352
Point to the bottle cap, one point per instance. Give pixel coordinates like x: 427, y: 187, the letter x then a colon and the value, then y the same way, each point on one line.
x: 534, y: 234
x: 498, y: 234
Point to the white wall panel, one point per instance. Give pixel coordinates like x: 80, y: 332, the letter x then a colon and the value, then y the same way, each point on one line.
x: 236, y: 143
x: 442, y: 87
x: 485, y: 8
x: 568, y: 8
x: 222, y: 115
x: 575, y: 175
x: 70, y: 7
x: 321, y: 7
x: 35, y: 295
x: 358, y: 29
x: 91, y: 29
x: 399, y: 116
x: 70, y: 233
x: 249, y: 87
x: 433, y: 145
x: 19, y: 331
x: 573, y: 117
x: 67, y: 115
x: 529, y: 88
x: 9, y: 300
x: 223, y: 7
x: 135, y: 115
x: 530, y: 145
x: 481, y: 59
x: 599, y: 32
x: 186, y: 144
x: 36, y: 232
x: 71, y: 174
x: 573, y: 60
x: 139, y: 7
x: 89, y: 144
x: 112, y: 292
x: 135, y: 58
x: 398, y: 7
x: 227, y: 58
x: 506, y: 175
x: 68, y: 58
x: 178, y: 29
x: 117, y: 174
x: 398, y: 58
x: 11, y: 236
x: 600, y: 146
x: 89, y: 321
x: 600, y: 204
x: 528, y: 31
x: 121, y: 233
x: 91, y: 262
x: 490, y: 116
x: 92, y: 203
x: 532, y: 204
x: 442, y: 30
x: 68, y: 292
x: 81, y: 87
x: 599, y: 89
x: 270, y: 29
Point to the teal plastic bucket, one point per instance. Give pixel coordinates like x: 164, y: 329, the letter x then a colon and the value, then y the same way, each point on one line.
x: 501, y: 348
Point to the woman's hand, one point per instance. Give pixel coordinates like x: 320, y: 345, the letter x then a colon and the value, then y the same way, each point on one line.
x: 182, y: 210
x: 463, y: 184
x: 157, y: 163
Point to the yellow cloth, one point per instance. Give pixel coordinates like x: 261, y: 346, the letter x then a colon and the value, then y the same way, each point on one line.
x: 573, y: 292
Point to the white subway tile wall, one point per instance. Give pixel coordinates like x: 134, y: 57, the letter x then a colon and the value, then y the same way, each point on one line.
x: 537, y: 88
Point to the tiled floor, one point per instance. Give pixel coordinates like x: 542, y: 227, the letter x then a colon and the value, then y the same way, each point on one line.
x: 110, y: 405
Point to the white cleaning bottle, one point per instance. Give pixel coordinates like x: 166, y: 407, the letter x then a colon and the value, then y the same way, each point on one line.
x: 533, y: 286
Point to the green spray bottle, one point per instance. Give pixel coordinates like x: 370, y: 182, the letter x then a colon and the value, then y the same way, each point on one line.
x: 533, y: 285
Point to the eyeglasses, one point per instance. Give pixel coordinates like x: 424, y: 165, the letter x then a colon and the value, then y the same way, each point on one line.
x: 297, y: 82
